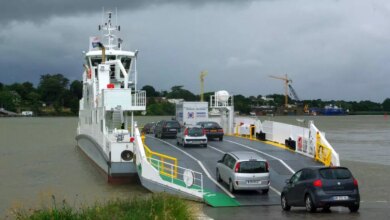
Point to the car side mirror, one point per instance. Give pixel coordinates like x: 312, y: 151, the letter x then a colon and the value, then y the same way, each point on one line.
x: 219, y: 161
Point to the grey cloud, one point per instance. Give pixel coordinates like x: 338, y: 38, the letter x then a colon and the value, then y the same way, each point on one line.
x: 38, y: 10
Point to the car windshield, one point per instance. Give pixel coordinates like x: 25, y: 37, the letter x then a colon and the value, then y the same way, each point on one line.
x: 172, y: 124
x: 211, y: 125
x: 335, y: 173
x: 253, y: 167
x: 195, y: 132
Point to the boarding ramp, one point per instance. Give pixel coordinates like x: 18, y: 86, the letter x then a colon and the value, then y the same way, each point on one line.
x: 160, y: 173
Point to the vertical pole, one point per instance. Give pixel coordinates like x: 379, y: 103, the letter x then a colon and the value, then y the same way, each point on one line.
x: 132, y: 124
x: 172, y: 173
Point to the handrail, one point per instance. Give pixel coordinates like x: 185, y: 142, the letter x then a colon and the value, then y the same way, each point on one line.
x: 165, y: 171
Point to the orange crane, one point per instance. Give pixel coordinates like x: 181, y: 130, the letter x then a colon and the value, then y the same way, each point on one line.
x: 286, y: 84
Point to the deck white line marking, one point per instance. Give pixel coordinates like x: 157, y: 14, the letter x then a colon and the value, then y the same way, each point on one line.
x: 275, y: 190
x: 223, y: 152
x: 280, y: 160
x: 216, y: 149
x: 201, y: 165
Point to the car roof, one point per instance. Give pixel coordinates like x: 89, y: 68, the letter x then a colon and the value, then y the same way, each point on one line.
x: 246, y: 155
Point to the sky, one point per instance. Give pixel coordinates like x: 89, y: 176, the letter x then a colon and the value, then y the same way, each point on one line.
x: 331, y: 49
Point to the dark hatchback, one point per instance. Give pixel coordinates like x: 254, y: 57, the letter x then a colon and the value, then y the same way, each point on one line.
x: 321, y: 187
x: 212, y: 129
x: 165, y: 129
x: 148, y: 128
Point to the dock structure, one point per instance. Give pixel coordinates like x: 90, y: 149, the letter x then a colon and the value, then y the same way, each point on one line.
x: 4, y: 112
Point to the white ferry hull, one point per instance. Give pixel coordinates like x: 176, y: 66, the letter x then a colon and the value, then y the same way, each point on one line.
x: 95, y: 153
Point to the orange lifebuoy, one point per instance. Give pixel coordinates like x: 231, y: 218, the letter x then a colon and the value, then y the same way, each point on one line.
x: 89, y: 73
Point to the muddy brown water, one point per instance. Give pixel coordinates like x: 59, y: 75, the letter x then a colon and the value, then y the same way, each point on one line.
x: 38, y: 159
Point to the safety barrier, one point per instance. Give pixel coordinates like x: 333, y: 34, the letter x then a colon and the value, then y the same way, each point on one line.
x: 170, y: 171
x: 323, y: 153
x: 307, y: 141
x: 178, y: 175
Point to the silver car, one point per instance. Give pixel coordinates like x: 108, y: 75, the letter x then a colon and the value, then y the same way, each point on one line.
x: 244, y: 170
x: 191, y: 135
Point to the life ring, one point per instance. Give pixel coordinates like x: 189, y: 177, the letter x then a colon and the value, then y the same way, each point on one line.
x: 89, y: 73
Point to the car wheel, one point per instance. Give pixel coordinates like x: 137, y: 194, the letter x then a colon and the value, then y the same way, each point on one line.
x: 309, y: 204
x: 221, y: 139
x: 231, y: 186
x: 204, y: 145
x: 218, y: 176
x: 265, y: 191
x: 284, y: 203
x: 177, y: 143
x: 353, y: 208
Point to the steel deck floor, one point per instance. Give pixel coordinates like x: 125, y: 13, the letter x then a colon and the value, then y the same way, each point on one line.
x: 188, y: 157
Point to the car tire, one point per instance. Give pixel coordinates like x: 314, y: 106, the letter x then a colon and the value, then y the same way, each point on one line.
x: 204, y: 145
x: 354, y: 208
x: 326, y: 208
x: 219, y: 179
x: 265, y: 191
x: 220, y: 138
x: 231, y: 186
x: 309, y: 204
x: 284, y: 203
x: 177, y: 143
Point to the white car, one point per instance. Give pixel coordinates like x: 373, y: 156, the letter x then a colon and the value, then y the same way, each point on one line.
x: 192, y: 135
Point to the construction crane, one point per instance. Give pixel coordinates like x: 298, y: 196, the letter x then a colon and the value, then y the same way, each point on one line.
x: 202, y: 75
x: 286, y: 86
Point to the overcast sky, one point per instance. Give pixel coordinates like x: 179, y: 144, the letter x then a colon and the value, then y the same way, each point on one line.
x: 331, y: 49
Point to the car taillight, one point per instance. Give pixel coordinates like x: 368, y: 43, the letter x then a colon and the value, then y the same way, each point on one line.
x: 203, y: 131
x: 186, y: 131
x: 220, y: 130
x: 266, y: 166
x: 317, y: 183
x: 237, y: 167
x: 355, y: 182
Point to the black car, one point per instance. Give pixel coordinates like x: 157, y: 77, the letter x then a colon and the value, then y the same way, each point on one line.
x: 321, y: 187
x: 212, y: 129
x: 165, y: 129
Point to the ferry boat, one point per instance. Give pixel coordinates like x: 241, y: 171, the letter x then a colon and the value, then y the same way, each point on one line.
x: 106, y: 124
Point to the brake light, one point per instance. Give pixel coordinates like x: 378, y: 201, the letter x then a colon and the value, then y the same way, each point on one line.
x: 266, y: 166
x: 237, y: 167
x: 203, y: 131
x: 317, y: 183
x: 355, y: 182
x: 220, y: 130
x: 186, y: 131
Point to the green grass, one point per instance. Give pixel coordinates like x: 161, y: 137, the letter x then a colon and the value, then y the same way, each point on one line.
x: 158, y: 206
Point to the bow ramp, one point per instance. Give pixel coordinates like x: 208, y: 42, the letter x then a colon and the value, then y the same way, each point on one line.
x: 161, y: 173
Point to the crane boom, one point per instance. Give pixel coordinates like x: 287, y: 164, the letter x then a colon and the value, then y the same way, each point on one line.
x: 286, y: 85
x: 203, y: 74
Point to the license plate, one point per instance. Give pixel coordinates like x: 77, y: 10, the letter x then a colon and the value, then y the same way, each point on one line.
x: 213, y: 130
x: 253, y: 182
x: 340, y: 198
x: 172, y: 129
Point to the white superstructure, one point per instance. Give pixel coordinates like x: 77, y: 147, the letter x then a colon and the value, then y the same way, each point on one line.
x: 110, y: 97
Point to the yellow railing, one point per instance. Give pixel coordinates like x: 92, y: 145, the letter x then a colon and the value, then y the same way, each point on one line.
x: 251, y: 132
x: 170, y: 171
x: 323, y: 153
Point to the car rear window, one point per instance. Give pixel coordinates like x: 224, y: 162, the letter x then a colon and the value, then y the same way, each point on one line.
x: 253, y: 167
x: 335, y: 173
x: 172, y: 124
x: 210, y: 125
x: 195, y: 131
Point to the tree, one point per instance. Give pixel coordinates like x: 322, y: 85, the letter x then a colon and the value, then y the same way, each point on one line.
x: 386, y: 104
x: 179, y: 93
x: 52, y: 89
x: 76, y: 88
x: 10, y: 100
x: 1, y: 86
x: 150, y: 91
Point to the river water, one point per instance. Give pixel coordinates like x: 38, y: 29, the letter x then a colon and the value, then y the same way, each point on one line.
x: 38, y: 158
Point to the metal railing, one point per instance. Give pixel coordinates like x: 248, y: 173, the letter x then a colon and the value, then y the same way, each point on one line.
x: 178, y: 175
x: 139, y: 98
x: 170, y: 171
